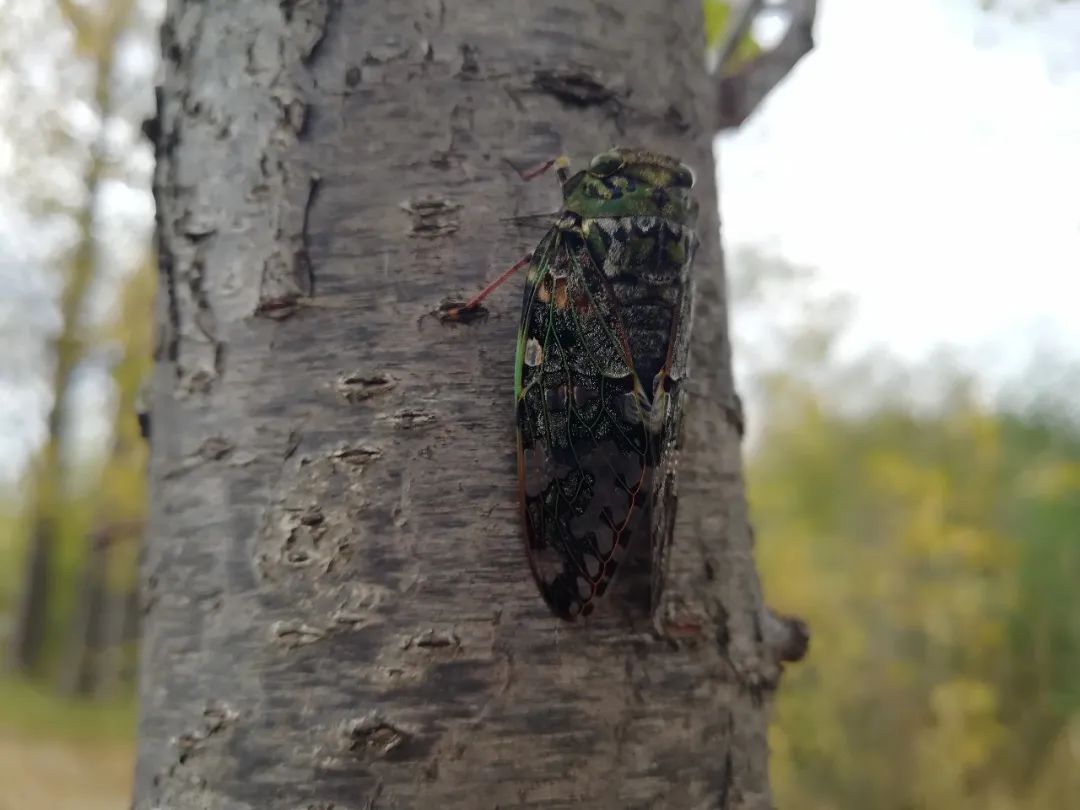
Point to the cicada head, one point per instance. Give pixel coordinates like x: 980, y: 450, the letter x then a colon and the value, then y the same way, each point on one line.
x: 625, y: 182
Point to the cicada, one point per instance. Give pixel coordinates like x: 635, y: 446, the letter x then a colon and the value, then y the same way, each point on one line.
x: 601, y: 353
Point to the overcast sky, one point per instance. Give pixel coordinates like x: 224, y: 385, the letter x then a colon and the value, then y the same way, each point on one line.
x: 925, y: 159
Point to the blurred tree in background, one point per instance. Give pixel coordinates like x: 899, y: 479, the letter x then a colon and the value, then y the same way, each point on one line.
x: 96, y: 34
x: 936, y: 558
x: 76, y: 219
x: 933, y: 547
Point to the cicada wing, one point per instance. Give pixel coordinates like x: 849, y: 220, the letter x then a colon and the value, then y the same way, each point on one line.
x: 583, y: 443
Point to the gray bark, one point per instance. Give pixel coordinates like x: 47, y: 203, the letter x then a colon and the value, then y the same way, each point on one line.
x: 338, y: 608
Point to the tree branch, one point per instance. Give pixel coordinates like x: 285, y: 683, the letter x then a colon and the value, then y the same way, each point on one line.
x: 741, y: 21
x: 742, y: 90
x: 787, y: 638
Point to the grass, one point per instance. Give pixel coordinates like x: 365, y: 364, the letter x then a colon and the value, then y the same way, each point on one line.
x: 64, y: 754
x: 57, y: 753
x: 33, y: 711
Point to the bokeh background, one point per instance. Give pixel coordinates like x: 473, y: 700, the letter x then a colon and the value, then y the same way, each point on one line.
x: 902, y: 228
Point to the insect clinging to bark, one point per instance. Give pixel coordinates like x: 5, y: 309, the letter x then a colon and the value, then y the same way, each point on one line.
x: 601, y: 353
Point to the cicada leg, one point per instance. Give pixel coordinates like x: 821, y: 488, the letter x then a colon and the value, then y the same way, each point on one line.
x: 460, y: 312
x: 457, y: 312
x: 561, y: 164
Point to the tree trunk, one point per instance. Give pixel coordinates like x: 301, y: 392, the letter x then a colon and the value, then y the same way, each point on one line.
x: 339, y: 610
x: 79, y: 663
x: 113, y: 660
x: 116, y: 668
x: 28, y: 626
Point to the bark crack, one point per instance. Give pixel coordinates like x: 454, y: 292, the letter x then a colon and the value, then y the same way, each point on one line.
x: 577, y: 88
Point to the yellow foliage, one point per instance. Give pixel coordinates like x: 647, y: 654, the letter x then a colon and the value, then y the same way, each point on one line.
x: 912, y: 549
x: 717, y: 14
x: 1051, y: 480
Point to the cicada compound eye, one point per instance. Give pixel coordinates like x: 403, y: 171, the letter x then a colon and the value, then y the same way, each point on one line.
x: 606, y: 163
x: 684, y: 177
